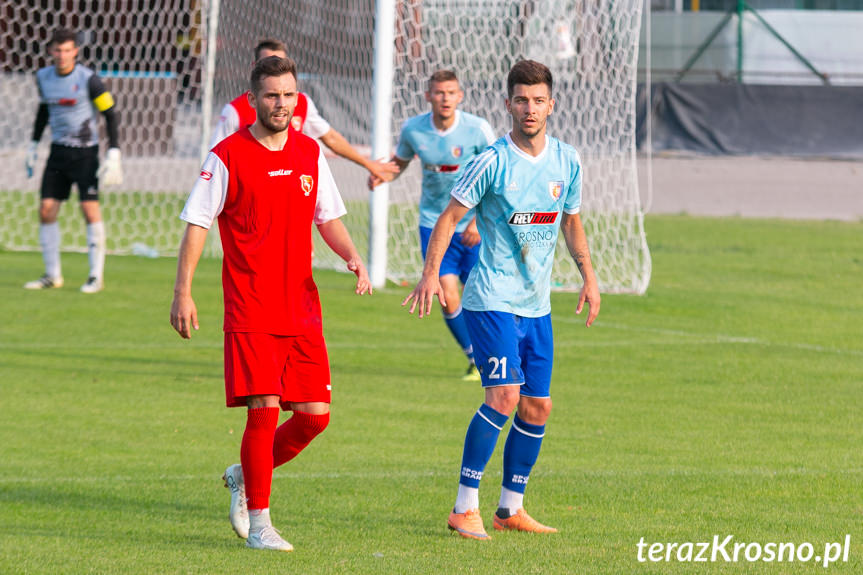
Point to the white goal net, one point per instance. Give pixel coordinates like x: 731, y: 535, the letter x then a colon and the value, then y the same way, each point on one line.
x: 148, y: 53
x: 153, y: 53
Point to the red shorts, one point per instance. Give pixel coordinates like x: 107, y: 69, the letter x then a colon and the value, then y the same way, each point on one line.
x: 295, y: 368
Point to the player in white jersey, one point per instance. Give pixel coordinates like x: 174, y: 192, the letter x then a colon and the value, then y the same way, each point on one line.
x: 446, y: 140
x: 525, y: 188
x: 238, y: 113
x: 71, y: 98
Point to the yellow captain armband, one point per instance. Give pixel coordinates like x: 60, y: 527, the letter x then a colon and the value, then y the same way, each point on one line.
x: 103, y: 101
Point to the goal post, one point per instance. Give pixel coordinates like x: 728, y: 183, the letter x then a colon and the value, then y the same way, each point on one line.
x: 381, y: 138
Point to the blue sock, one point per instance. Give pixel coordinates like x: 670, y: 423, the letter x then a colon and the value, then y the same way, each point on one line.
x: 479, y: 443
x: 520, y: 453
x: 455, y: 323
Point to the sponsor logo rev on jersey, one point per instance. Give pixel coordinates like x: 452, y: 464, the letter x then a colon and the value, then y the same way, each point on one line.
x: 532, y: 218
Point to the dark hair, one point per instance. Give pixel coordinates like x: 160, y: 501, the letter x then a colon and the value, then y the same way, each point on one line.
x: 63, y: 35
x: 270, y: 44
x: 271, y: 66
x: 442, y: 76
x: 530, y: 73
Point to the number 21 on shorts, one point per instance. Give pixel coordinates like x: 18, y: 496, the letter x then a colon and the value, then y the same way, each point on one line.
x: 498, y: 368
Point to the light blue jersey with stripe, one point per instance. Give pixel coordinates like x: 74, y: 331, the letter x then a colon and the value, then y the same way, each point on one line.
x: 519, y: 201
x: 443, y: 154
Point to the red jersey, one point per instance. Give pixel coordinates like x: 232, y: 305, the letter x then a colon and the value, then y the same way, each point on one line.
x: 266, y: 201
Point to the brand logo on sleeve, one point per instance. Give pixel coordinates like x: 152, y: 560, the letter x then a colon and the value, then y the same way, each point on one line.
x: 205, y: 175
x: 306, y: 183
x: 280, y: 173
x: 532, y: 218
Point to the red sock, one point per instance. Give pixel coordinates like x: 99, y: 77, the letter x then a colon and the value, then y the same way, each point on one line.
x: 295, y: 434
x: 256, y: 455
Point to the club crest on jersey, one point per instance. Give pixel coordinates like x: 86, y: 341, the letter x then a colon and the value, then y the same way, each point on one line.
x: 205, y: 175
x: 306, y: 183
x: 456, y: 151
x: 532, y: 218
x: 555, y: 188
x: 297, y: 123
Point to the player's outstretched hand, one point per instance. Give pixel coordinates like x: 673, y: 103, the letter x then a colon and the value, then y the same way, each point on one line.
x: 423, y: 295
x: 111, y: 173
x: 363, y: 283
x: 590, y: 294
x: 184, y: 315
x: 380, y: 172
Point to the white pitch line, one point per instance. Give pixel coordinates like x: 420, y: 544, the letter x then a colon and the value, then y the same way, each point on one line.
x: 721, y: 338
x: 694, y: 339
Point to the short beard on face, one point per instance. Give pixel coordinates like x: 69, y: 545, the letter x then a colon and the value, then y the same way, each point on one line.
x: 265, y: 122
x: 531, y: 132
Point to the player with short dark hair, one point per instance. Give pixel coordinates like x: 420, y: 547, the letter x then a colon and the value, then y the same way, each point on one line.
x: 445, y: 139
x: 267, y: 184
x: 306, y: 119
x: 71, y: 97
x: 525, y: 188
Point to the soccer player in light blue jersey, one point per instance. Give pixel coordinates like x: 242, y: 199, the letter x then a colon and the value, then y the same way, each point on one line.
x: 446, y: 140
x: 525, y: 188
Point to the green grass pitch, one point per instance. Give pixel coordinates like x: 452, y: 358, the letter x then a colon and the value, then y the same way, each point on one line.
x: 727, y: 401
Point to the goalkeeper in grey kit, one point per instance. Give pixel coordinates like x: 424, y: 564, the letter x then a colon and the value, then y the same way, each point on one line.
x: 71, y: 97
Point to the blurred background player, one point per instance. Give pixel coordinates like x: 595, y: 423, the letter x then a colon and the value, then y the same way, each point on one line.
x: 239, y: 113
x: 445, y: 139
x: 71, y: 96
x: 526, y: 187
x: 267, y: 184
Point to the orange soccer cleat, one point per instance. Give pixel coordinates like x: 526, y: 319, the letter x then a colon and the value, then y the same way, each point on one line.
x: 521, y: 521
x: 467, y: 524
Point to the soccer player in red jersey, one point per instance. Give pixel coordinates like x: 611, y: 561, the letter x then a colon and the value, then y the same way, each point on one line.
x: 267, y: 184
x: 238, y: 113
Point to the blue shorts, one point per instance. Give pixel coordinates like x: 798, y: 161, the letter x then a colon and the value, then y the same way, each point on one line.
x: 512, y: 350
x: 457, y: 260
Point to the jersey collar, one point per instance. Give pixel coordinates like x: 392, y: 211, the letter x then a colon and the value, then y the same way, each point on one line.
x: 449, y: 130
x: 525, y: 155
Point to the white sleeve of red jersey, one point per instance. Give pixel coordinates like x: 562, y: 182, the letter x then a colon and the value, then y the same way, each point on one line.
x: 329, y: 205
x: 207, y: 198
x: 315, y: 126
x: 229, y: 122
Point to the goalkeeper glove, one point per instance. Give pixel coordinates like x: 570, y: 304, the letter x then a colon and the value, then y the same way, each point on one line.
x: 30, y: 161
x: 111, y: 173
